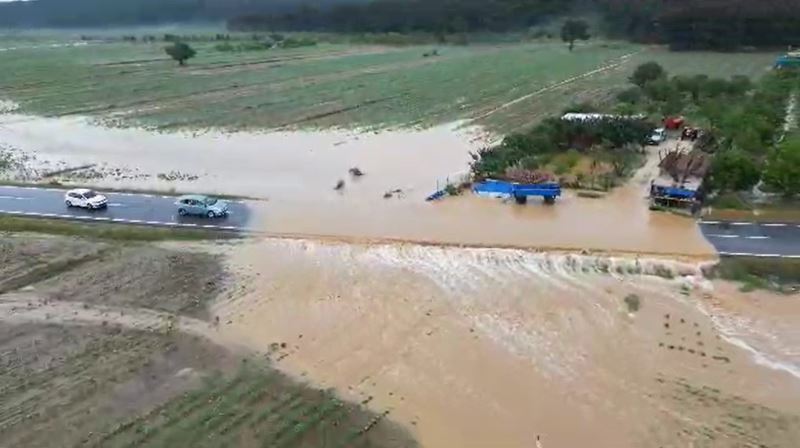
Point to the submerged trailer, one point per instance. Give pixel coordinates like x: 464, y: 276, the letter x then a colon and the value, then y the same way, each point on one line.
x: 519, y: 192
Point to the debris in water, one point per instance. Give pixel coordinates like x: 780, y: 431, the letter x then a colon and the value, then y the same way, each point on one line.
x: 339, y: 185
x: 356, y: 172
x: 390, y: 194
x: 633, y: 302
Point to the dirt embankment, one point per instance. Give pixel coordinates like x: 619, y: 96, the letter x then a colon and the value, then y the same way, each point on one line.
x: 110, y: 345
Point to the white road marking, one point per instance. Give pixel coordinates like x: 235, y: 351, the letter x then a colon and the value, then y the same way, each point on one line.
x: 15, y: 198
x: 710, y: 223
x: 775, y: 225
x: 761, y: 237
x: 114, y: 204
x: 723, y: 236
x: 749, y: 254
x: 118, y: 220
x: 741, y: 223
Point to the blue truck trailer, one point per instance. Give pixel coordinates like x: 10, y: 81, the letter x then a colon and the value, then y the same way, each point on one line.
x: 520, y: 192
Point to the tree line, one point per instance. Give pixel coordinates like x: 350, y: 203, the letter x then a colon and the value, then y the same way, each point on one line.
x: 683, y: 24
x: 705, y: 24
x: 435, y: 16
x: 87, y: 13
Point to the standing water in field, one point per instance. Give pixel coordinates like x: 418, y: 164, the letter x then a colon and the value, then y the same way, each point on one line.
x: 296, y: 172
x: 491, y: 347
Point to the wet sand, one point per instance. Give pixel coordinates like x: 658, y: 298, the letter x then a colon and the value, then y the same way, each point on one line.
x: 491, y: 347
x: 296, y: 172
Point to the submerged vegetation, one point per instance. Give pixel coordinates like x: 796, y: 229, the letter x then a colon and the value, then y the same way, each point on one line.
x: 781, y: 275
x: 586, y: 153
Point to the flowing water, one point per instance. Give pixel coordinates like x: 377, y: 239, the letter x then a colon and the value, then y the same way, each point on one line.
x: 491, y: 347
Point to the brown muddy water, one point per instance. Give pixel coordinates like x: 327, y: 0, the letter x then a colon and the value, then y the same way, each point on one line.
x: 468, y: 347
x: 296, y: 173
x: 491, y: 347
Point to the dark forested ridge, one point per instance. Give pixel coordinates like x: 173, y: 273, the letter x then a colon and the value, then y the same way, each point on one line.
x: 706, y: 24
x: 684, y: 24
x: 412, y: 15
x: 75, y: 13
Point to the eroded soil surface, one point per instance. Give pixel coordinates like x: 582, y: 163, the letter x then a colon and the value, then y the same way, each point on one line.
x: 110, y: 345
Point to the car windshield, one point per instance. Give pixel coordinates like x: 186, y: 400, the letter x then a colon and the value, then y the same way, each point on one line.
x: 89, y: 194
x: 210, y: 201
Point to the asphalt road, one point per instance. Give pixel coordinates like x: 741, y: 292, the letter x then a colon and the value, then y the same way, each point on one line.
x: 774, y: 240
x: 129, y: 208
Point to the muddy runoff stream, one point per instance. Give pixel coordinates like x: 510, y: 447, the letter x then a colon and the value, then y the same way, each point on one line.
x: 294, y: 173
x: 477, y: 347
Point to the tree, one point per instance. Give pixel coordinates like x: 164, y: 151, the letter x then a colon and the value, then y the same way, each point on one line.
x: 646, y: 73
x: 181, y: 52
x: 734, y: 170
x: 573, y: 30
x: 783, y: 168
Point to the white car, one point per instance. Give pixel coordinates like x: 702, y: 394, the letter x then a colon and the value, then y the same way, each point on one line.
x: 85, y: 198
x: 658, y: 137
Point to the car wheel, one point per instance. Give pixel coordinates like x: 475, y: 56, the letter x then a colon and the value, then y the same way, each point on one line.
x: 69, y: 204
x: 182, y: 212
x: 211, y: 214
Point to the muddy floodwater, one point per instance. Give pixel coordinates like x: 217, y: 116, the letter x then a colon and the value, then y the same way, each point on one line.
x: 294, y: 175
x: 472, y: 322
x: 492, y: 347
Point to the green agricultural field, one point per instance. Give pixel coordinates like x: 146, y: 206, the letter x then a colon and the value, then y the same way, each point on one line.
x: 503, y: 86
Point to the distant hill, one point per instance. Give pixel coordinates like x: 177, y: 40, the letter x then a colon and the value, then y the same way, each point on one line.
x: 78, y: 13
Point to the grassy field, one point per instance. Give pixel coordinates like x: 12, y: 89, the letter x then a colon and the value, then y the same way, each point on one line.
x: 106, y: 231
x: 780, y: 275
x: 96, y: 352
x: 503, y: 86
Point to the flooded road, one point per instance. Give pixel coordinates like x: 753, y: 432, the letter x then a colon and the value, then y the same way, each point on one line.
x: 492, y: 347
x: 489, y: 345
x: 296, y: 173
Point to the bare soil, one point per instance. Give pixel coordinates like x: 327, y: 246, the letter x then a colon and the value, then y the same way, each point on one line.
x: 175, y: 281
x: 107, y: 345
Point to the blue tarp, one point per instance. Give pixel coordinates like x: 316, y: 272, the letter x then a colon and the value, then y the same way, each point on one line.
x: 673, y: 192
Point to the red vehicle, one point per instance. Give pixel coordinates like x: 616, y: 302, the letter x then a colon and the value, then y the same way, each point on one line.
x: 673, y: 123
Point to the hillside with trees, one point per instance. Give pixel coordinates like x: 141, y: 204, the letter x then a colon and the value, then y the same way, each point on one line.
x: 435, y: 16
x: 705, y: 24
x: 82, y: 13
x: 683, y: 24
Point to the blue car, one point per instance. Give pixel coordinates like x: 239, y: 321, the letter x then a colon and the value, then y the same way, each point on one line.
x: 199, y: 205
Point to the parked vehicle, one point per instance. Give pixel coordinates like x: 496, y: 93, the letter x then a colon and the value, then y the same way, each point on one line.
x: 85, y: 198
x: 199, y: 205
x: 674, y: 123
x: 658, y: 137
x: 690, y: 134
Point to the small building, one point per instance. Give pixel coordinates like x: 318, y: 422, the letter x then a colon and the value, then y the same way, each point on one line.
x: 579, y: 117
